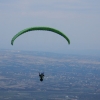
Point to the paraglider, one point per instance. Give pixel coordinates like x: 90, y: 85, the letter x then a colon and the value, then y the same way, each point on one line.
x: 40, y: 28
x: 41, y: 75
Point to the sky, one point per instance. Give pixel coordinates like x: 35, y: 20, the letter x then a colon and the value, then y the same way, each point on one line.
x: 79, y: 20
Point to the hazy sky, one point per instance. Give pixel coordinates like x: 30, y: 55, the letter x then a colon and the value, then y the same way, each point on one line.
x: 78, y: 19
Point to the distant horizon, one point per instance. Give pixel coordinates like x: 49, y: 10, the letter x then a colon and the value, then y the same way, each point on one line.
x: 74, y: 52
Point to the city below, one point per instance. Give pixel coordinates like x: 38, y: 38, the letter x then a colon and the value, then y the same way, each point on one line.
x: 67, y: 77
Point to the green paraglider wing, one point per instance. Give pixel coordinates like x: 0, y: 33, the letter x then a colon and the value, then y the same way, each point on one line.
x: 39, y: 28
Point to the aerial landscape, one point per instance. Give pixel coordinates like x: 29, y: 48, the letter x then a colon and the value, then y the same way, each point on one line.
x: 49, y: 50
x: 67, y: 77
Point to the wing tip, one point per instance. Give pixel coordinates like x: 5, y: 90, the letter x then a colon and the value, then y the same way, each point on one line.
x: 11, y: 43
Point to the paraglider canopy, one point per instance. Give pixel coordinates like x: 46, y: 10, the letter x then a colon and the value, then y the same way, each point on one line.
x: 40, y: 28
